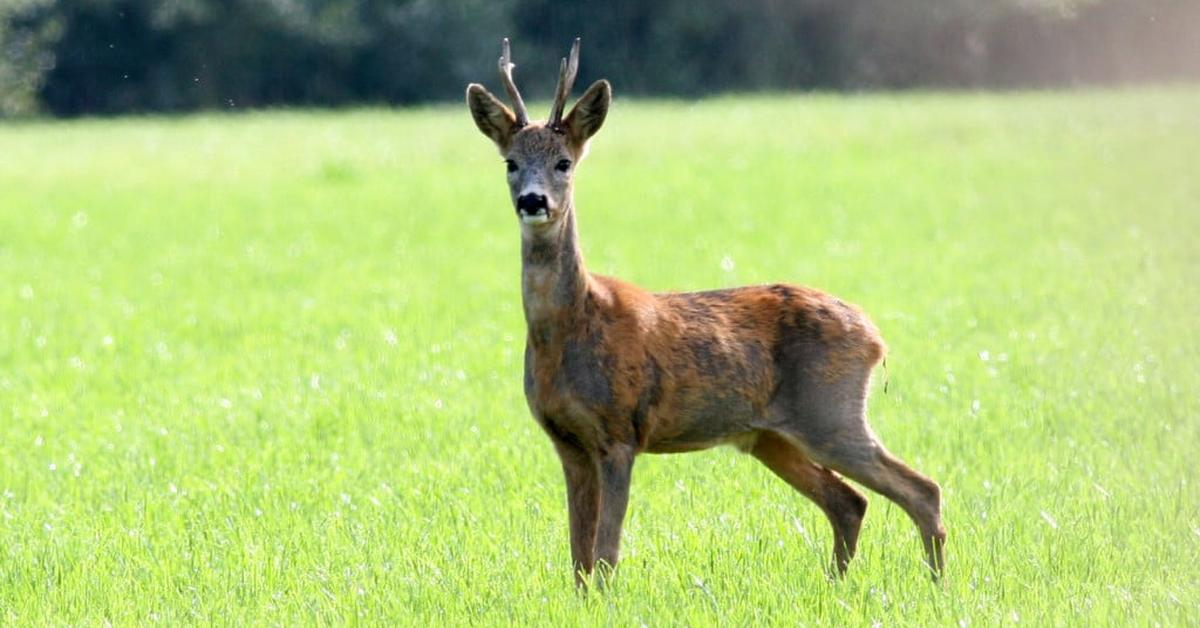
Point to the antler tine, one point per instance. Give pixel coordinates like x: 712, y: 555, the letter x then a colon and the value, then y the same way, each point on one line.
x: 566, y: 80
x: 506, y: 66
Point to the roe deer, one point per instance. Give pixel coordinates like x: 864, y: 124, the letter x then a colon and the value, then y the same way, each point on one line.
x: 612, y: 370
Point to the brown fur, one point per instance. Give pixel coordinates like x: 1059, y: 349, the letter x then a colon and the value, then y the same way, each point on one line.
x: 670, y: 359
x: 613, y: 371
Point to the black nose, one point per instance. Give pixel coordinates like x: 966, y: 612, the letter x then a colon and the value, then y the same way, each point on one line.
x: 531, y: 203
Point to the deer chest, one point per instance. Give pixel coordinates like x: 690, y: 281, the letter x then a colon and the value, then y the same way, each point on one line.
x: 570, y: 391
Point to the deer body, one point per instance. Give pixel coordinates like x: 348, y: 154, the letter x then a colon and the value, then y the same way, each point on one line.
x: 664, y: 373
x: 612, y: 371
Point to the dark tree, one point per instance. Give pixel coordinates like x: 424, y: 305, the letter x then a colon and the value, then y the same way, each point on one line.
x: 72, y: 57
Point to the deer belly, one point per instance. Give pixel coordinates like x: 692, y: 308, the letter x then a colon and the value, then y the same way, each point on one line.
x: 702, y: 420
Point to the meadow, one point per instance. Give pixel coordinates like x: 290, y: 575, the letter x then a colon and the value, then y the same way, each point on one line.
x: 266, y: 367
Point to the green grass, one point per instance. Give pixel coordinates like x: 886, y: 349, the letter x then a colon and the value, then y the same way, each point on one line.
x: 267, y: 368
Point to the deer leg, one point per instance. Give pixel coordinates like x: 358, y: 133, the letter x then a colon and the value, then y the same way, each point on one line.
x: 583, y: 507
x: 921, y: 498
x: 843, y: 505
x: 865, y: 460
x: 616, y: 468
x: 828, y: 421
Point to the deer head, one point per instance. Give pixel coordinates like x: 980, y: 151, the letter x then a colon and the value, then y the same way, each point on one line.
x: 540, y: 156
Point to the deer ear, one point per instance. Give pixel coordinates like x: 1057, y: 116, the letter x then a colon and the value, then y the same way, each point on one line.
x: 588, y: 114
x: 493, y: 118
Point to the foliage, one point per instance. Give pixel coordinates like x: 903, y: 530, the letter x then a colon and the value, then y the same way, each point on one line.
x: 25, y: 57
x: 112, y: 56
x: 132, y: 55
x: 266, y: 368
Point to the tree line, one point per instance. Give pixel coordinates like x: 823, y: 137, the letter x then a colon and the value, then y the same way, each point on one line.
x: 75, y: 57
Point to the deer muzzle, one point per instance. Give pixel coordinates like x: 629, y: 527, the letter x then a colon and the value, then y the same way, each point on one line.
x: 533, y: 208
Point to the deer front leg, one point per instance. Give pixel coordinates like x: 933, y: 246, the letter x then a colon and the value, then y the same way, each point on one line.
x: 583, y: 507
x: 616, y: 468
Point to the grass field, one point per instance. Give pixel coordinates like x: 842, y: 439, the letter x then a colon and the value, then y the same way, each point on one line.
x: 266, y: 367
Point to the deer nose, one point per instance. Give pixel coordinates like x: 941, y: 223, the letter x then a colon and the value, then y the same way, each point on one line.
x: 531, y: 203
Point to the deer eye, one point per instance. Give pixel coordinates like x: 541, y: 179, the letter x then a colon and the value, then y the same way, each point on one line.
x: 511, y: 165
x: 563, y: 165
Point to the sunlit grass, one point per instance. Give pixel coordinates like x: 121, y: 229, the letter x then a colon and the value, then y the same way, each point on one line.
x: 266, y: 368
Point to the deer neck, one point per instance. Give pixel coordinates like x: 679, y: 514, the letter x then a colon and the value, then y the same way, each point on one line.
x: 554, y: 282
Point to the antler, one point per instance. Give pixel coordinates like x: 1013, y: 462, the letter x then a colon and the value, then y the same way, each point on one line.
x: 506, y: 66
x: 566, y: 79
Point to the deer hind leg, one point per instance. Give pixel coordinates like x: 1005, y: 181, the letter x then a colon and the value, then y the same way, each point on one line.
x: 843, y: 505
x: 873, y: 466
x: 829, y: 424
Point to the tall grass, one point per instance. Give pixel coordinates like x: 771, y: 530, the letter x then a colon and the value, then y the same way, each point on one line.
x: 266, y: 368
